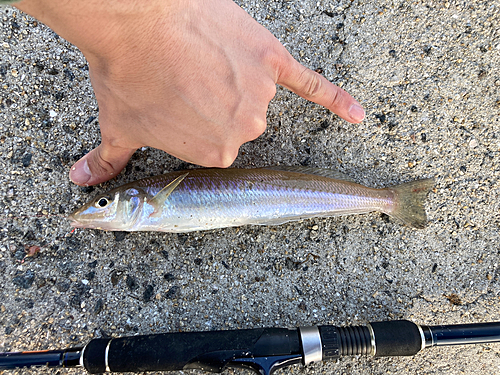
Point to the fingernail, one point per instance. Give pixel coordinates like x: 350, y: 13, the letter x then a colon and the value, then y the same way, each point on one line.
x: 356, y: 113
x: 80, y: 173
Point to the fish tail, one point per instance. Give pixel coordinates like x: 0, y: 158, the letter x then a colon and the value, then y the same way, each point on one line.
x: 409, y: 202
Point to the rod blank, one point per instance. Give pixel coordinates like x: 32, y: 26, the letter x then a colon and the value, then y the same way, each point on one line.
x: 461, y: 334
x: 49, y: 358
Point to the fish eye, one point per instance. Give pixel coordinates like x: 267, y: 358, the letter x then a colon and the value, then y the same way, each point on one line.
x: 102, y: 202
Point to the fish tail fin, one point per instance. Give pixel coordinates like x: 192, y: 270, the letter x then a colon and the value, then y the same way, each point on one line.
x: 409, y: 202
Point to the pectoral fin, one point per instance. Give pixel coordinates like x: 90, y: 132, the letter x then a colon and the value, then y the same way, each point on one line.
x: 160, y: 197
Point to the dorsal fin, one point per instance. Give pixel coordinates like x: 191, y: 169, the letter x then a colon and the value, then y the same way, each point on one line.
x: 163, y: 194
x: 323, y: 172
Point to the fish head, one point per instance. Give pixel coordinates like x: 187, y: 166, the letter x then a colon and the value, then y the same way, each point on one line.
x: 115, y: 210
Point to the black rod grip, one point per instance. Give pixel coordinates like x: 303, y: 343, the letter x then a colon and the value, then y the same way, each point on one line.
x: 208, y: 351
x: 396, y: 338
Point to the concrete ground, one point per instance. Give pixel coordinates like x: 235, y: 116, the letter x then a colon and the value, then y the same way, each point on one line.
x: 427, y: 73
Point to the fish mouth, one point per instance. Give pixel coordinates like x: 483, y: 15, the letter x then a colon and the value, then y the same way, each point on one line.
x: 75, y: 223
x: 78, y: 224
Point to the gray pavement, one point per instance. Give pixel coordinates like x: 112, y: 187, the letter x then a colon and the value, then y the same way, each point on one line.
x: 427, y: 73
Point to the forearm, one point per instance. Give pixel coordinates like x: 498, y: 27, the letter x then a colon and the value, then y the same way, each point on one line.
x: 98, y: 27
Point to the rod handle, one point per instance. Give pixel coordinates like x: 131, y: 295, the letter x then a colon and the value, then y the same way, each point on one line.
x: 207, y: 351
x: 379, y: 339
x: 397, y: 338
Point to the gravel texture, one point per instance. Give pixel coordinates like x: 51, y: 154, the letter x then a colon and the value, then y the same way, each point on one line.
x: 427, y: 73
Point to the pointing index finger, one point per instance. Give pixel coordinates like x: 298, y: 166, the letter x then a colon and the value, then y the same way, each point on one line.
x: 316, y: 88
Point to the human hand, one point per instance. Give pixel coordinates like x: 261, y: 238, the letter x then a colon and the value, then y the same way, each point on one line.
x: 192, y: 78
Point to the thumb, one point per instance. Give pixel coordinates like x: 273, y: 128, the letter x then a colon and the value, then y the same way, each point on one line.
x: 101, y: 164
x: 316, y: 88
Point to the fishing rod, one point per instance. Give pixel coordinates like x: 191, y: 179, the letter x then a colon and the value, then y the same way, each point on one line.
x: 263, y: 350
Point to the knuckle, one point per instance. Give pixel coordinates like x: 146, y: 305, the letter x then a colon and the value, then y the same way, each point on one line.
x: 278, y: 59
x: 222, y: 158
x: 269, y: 91
x: 257, y: 129
x: 272, y: 57
x: 252, y: 126
x: 312, y: 83
x: 336, y: 99
x: 101, y: 164
x: 226, y: 162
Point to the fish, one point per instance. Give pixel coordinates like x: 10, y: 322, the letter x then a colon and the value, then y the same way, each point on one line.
x: 212, y: 198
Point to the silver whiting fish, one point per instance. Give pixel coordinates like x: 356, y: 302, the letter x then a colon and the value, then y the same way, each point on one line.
x: 202, y: 199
